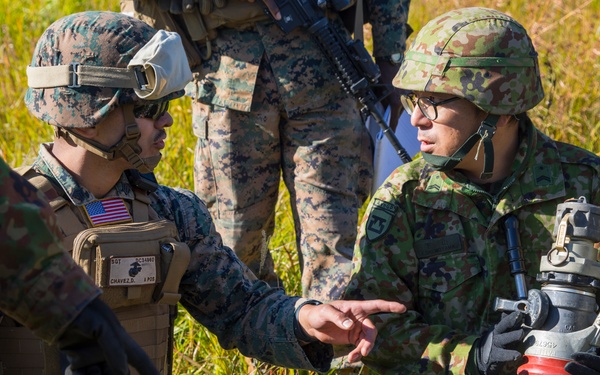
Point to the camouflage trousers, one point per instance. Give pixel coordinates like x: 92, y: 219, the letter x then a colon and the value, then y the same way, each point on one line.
x: 320, y: 153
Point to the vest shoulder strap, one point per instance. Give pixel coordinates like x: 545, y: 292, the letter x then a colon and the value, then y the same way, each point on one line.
x: 67, y: 220
x: 44, y: 185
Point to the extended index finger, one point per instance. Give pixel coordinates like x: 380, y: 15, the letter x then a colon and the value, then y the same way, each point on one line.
x: 376, y: 306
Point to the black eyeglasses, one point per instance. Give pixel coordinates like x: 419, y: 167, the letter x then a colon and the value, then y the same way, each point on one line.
x: 152, y: 111
x: 426, y: 105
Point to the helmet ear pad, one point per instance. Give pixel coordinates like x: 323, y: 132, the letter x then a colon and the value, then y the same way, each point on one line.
x: 478, y: 54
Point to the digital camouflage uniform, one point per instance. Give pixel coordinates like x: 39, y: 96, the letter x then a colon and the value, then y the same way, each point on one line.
x: 218, y: 290
x: 40, y: 285
x: 435, y: 241
x: 267, y: 105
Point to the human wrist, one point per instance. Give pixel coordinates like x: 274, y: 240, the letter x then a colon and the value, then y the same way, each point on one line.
x: 300, y: 333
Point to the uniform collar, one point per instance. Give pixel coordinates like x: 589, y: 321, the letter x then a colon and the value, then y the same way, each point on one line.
x: 537, y: 176
x: 49, y: 166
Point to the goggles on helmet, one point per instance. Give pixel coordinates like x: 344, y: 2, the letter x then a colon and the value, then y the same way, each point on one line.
x: 151, y: 111
x: 427, y: 106
x: 158, y: 69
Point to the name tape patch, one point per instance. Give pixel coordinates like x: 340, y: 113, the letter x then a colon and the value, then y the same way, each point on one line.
x: 129, y: 271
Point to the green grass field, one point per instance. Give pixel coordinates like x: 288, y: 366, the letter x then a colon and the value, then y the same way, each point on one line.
x: 566, y: 34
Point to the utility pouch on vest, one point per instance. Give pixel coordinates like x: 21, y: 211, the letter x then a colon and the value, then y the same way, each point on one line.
x: 134, y: 263
x: 196, y: 29
x: 139, y: 267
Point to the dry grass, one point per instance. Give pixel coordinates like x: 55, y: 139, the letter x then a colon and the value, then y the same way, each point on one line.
x: 566, y: 34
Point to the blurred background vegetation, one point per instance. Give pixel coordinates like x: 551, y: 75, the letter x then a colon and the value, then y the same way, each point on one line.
x: 566, y: 34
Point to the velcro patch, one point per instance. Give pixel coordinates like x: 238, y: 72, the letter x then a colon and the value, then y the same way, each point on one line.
x: 107, y: 211
x: 437, y: 246
x: 129, y: 271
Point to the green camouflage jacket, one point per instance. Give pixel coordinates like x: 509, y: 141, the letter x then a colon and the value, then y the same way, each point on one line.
x: 436, y: 243
x: 40, y: 285
x: 218, y: 290
x: 304, y: 76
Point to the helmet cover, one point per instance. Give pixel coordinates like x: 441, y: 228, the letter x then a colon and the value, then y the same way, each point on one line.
x: 479, y: 54
x: 94, y: 38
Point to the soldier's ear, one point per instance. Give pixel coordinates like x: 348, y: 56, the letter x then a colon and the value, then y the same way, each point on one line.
x: 504, y: 120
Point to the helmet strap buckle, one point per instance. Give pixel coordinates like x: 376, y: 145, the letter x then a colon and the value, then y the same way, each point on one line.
x: 128, y: 146
x: 486, y: 131
x: 74, y: 70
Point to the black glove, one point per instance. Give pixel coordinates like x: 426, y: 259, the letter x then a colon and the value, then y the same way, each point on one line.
x: 584, y: 363
x: 497, y: 347
x: 96, y: 343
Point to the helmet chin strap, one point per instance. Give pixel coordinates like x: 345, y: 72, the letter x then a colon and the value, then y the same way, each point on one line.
x: 484, y: 135
x: 127, y: 147
x: 130, y: 150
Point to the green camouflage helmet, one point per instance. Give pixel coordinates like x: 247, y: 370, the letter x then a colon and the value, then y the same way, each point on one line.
x: 81, y: 40
x: 478, y: 54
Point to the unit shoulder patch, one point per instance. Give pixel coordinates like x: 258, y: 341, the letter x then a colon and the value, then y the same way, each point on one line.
x: 380, y: 219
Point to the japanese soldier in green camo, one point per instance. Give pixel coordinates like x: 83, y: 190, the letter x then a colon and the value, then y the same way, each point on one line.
x: 432, y: 237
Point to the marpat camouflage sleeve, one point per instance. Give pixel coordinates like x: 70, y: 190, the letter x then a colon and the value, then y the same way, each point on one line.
x: 223, y: 294
x: 389, y: 19
x: 40, y: 285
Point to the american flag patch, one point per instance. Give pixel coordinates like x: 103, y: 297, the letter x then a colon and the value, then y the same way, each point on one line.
x: 107, y: 211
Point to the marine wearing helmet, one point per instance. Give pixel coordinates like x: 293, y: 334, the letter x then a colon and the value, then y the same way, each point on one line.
x: 87, y: 65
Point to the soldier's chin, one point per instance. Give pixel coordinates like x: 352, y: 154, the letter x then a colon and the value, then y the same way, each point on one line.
x: 149, y: 163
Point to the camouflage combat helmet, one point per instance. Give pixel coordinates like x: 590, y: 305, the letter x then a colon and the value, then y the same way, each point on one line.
x: 478, y: 54
x: 103, y: 39
x: 87, y: 64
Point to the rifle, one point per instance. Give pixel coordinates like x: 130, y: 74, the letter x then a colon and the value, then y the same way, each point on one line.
x: 354, y: 66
